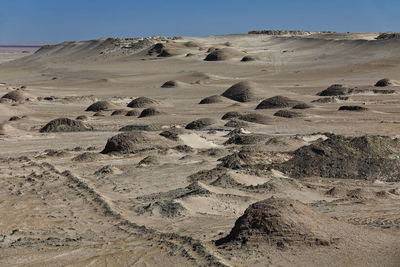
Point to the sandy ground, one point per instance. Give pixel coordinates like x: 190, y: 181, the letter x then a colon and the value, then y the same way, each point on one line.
x: 59, y: 211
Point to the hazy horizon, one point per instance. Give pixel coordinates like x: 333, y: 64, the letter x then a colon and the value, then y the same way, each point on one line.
x: 45, y: 21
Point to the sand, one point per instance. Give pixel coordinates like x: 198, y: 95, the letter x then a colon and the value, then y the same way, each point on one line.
x: 62, y: 202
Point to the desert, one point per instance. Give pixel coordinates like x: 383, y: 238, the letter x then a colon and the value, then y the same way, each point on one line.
x: 266, y: 148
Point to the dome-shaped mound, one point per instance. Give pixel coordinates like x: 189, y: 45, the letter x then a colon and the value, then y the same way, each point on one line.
x: 277, y: 102
x: 16, y: 96
x: 302, y: 106
x: 353, y: 108
x: 135, y: 141
x: 142, y: 102
x: 119, y: 112
x: 212, y: 99
x: 255, y: 118
x: 223, y: 54
x: 100, y: 106
x: 131, y: 113
x: 172, y: 84
x: 148, y: 112
x: 287, y: 114
x: 200, y: 124
x: 65, y: 125
x: 164, y: 50
x: 335, y: 90
x: 230, y: 115
x: 249, y: 58
x: 281, y: 222
x: 383, y: 83
x: 245, y: 91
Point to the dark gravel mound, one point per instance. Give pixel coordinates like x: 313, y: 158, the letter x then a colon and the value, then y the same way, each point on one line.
x: 277, y: 102
x: 249, y: 58
x: 288, y: 114
x: 142, y: 102
x: 255, y: 118
x: 365, y: 157
x: 169, y: 134
x: 133, y: 113
x: 280, y: 222
x: 170, y: 84
x: 65, y: 125
x: 16, y: 96
x: 231, y: 115
x: 246, y: 139
x: 335, y: 90
x: 302, y: 106
x: 212, y: 99
x: 388, y: 35
x: 223, y: 54
x: 145, y: 127
x: 383, y: 83
x: 236, y: 124
x: 100, y: 106
x: 200, y: 124
x: 162, y: 50
x: 353, y: 108
x: 119, y: 112
x: 135, y: 141
x: 245, y: 91
x: 148, y: 112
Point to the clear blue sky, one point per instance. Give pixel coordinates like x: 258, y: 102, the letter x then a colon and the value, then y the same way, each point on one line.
x: 50, y: 21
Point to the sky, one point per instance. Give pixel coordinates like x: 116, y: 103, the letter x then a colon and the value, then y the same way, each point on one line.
x: 53, y: 21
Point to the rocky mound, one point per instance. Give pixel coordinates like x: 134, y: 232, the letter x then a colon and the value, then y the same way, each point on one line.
x: 336, y: 90
x: 16, y: 96
x: 255, y: 118
x: 65, y: 125
x: 148, y: 112
x: 230, y: 115
x: 280, y: 222
x: 119, y: 112
x: 353, y: 108
x: 212, y: 99
x: 99, y: 114
x: 200, y: 124
x: 388, y: 35
x: 245, y: 91
x: 140, y: 127
x: 163, y: 50
x: 365, y: 157
x: 170, y: 134
x: 133, y: 113
x: 100, y: 106
x: 235, y: 123
x: 220, y: 54
x: 383, y: 83
x: 288, y: 114
x: 142, y: 102
x: 171, y: 84
x: 302, y: 106
x: 249, y: 58
x: 87, y: 157
x: 133, y: 142
x: 277, y: 102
